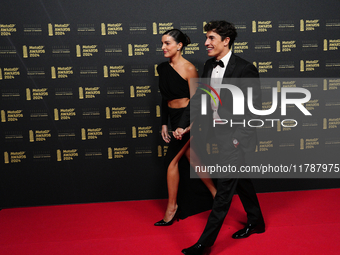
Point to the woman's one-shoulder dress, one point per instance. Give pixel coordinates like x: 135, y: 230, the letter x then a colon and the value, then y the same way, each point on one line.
x: 193, y: 196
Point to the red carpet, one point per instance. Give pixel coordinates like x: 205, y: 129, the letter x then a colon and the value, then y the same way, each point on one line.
x: 303, y: 222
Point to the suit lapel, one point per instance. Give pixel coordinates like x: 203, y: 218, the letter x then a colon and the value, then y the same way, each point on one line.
x: 209, y: 69
x: 230, y: 67
x: 228, y: 73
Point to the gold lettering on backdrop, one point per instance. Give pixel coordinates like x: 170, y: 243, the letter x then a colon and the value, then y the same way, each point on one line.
x: 154, y: 28
x: 255, y: 64
x: 132, y: 91
x: 325, y: 84
x: 325, y: 48
x: 108, y: 113
x: 265, y: 145
x: 159, y: 151
x: 0, y: 74
x: 118, y: 112
x: 240, y: 47
x: 103, y: 29
x: 333, y: 84
x: 109, y: 153
x: 263, y: 26
x: 89, y: 50
x: 64, y: 72
x: 311, y: 104
x: 191, y: 48
x: 208, y: 148
x: 285, y: 46
x: 16, y: 157
x: 66, y: 114
x: 28, y: 95
x: 158, y: 111
x: 6, y: 157
x: 120, y: 152
x: 302, y: 66
x: 265, y: 66
x: 7, y: 29
x: 130, y: 52
x: 40, y: 135
x: 106, y: 72
x: 116, y: 71
x: 31, y: 136
x: 81, y: 93
x: 333, y: 123
x: 78, y: 51
x: 278, y: 126
x: 61, y: 29
x: 278, y: 85
x: 163, y: 27
x: 53, y: 72
x: 93, y: 133
x: 134, y: 132
x: 3, y: 116
x: 56, y: 114
x: 58, y: 155
x: 11, y: 73
x: 35, y: 51
x: 311, y: 143
x: 92, y: 92
x: 253, y: 26
x: 302, y: 144
x: 312, y: 24
x: 324, y: 123
x: 302, y: 25
x: 142, y: 91
x: 156, y: 73
x: 311, y: 65
x: 113, y: 28
x: 50, y: 29
x: 69, y: 155
x: 144, y: 131
x: 140, y: 49
x: 204, y: 23
x: 83, y: 134
x: 24, y: 51
x: 334, y: 44
x: 12, y: 115
x: 39, y: 94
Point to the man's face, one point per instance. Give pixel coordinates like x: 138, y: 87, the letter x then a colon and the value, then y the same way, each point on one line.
x: 215, y: 46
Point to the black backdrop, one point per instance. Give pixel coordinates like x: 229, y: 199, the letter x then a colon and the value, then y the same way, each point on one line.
x: 80, y: 118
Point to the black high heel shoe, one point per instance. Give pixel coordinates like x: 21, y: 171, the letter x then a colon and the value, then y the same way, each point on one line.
x: 163, y: 223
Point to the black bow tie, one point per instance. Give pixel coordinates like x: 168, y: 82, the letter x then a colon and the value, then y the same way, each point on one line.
x: 218, y: 63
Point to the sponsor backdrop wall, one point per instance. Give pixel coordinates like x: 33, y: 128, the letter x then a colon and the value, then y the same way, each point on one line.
x: 80, y: 104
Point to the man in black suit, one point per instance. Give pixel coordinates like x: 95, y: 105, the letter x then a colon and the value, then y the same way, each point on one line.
x: 233, y: 140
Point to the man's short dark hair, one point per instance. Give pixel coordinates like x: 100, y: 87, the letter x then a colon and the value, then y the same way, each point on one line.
x: 223, y: 28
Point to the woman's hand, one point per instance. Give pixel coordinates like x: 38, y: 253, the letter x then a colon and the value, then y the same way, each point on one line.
x: 165, y: 135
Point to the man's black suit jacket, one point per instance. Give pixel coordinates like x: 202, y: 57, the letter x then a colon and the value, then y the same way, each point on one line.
x: 242, y: 74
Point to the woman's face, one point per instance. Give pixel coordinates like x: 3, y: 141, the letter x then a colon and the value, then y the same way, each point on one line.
x: 170, y: 46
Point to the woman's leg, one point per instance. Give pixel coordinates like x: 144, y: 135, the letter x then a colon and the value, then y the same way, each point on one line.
x: 173, y: 181
x: 195, y: 161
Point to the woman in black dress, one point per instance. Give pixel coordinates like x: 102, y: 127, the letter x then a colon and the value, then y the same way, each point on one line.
x: 191, y: 195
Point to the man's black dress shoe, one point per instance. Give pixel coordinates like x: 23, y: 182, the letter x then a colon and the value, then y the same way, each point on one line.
x: 196, y: 249
x: 248, y: 230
